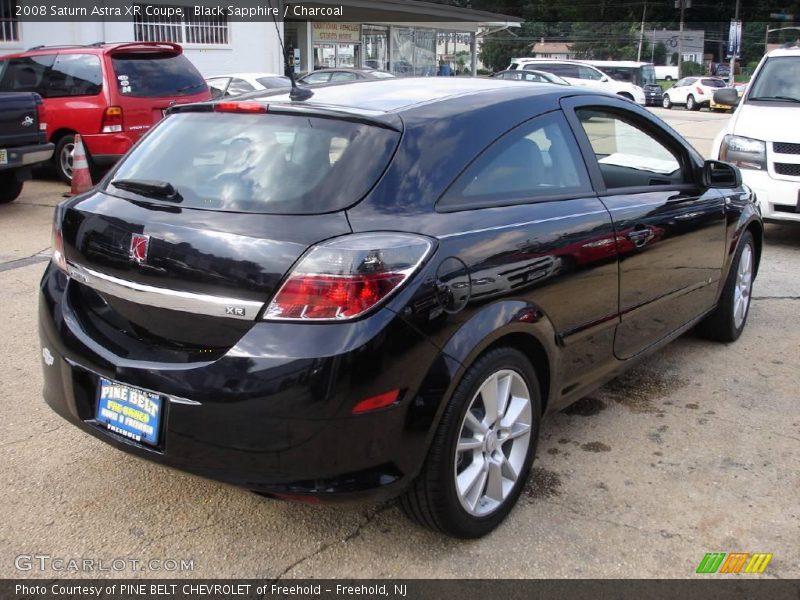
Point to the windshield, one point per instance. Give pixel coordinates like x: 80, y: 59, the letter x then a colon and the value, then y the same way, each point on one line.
x: 264, y: 163
x: 274, y: 82
x: 778, y: 78
x: 154, y: 75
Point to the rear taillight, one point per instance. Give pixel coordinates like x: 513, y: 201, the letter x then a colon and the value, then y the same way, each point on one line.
x: 112, y: 120
x: 699, y: 90
x: 41, y: 114
x: 346, y: 277
x: 58, y: 244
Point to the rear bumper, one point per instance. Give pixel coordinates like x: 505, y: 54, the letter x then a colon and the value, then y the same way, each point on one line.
x: 778, y: 199
x: 27, y: 156
x: 107, y: 148
x: 273, y: 415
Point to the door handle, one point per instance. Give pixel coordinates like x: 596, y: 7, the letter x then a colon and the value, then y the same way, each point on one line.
x: 640, y: 237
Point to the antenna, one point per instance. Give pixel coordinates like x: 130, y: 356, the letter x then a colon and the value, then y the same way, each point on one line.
x: 297, y: 93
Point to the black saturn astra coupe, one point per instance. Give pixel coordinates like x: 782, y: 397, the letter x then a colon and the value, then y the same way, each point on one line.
x: 381, y: 290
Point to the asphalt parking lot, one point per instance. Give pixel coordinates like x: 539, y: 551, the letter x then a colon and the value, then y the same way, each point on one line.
x: 696, y: 450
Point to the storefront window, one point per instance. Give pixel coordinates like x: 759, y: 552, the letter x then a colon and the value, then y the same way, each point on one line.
x: 413, y: 51
x: 375, y: 47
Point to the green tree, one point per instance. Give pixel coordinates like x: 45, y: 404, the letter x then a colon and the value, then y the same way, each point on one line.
x: 660, y: 54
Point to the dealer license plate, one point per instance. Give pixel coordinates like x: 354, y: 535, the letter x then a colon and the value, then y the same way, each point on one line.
x: 129, y: 411
x: 3, y: 156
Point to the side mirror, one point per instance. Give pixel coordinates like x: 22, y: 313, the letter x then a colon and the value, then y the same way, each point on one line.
x: 718, y: 174
x: 604, y: 79
x: 728, y: 96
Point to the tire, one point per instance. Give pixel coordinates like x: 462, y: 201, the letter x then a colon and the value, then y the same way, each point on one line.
x: 728, y: 320
x: 691, y: 104
x: 62, y: 159
x: 10, y: 187
x: 433, y: 500
x: 666, y: 102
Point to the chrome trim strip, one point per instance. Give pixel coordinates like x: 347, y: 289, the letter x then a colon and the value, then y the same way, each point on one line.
x: 522, y: 224
x: 199, y: 304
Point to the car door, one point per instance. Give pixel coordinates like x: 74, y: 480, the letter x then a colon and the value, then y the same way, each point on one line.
x: 541, y: 236
x: 669, y: 228
x: 680, y: 91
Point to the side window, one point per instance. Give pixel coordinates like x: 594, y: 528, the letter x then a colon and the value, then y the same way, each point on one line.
x: 589, y: 73
x: 628, y: 156
x: 28, y: 74
x: 535, y: 160
x: 343, y: 76
x: 317, y: 78
x: 534, y: 77
x: 218, y: 86
x: 239, y: 86
x: 75, y: 75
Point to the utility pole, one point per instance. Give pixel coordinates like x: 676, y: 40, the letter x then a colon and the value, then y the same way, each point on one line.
x: 683, y: 5
x: 736, y: 44
x: 641, y: 32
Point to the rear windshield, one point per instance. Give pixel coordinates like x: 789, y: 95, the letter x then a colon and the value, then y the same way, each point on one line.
x: 274, y: 82
x: 156, y: 75
x: 263, y: 163
x: 715, y: 83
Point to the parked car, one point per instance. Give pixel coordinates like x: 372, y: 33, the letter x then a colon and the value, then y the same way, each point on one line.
x: 715, y: 106
x: 762, y: 137
x: 666, y: 72
x: 692, y: 92
x: 235, y: 84
x: 581, y: 74
x: 528, y: 75
x: 22, y: 141
x: 642, y: 74
x: 279, y: 294
x: 341, y: 75
x: 111, y: 94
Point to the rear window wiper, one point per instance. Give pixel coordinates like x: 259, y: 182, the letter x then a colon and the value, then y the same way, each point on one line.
x: 162, y: 190
x: 781, y: 98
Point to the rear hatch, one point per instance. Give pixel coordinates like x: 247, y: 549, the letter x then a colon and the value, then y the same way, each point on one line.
x: 149, y: 78
x: 198, y: 225
x: 19, y: 122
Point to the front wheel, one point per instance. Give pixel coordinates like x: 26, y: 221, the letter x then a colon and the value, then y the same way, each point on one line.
x: 666, y: 102
x: 727, y: 321
x: 10, y: 187
x: 482, y: 451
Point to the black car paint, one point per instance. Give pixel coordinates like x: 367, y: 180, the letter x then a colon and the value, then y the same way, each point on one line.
x: 270, y: 409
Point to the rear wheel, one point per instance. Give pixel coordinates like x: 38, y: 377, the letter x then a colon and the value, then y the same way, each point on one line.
x: 727, y: 321
x: 626, y: 95
x: 62, y: 157
x: 691, y: 104
x: 666, y: 102
x: 483, y: 449
x: 10, y: 187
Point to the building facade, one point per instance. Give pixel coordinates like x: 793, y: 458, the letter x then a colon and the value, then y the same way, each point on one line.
x: 400, y: 36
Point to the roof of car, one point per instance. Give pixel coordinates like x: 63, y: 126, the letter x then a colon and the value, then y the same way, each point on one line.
x: 101, y: 48
x: 403, y: 94
x: 246, y: 75
x: 793, y: 51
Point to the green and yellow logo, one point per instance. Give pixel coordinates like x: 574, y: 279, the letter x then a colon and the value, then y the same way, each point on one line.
x: 720, y: 562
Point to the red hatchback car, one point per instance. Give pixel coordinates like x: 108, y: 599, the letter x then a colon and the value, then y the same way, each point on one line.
x: 111, y: 94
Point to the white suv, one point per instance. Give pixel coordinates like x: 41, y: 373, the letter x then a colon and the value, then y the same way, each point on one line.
x: 763, y: 139
x: 581, y: 74
x: 692, y: 92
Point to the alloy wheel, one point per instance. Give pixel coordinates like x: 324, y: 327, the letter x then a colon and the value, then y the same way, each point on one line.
x: 66, y: 159
x: 493, y: 443
x: 744, y: 285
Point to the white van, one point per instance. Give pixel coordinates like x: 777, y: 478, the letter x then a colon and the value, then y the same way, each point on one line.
x: 581, y: 74
x: 763, y: 138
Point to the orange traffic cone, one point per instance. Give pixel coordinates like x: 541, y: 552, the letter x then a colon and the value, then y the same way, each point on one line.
x: 81, y: 178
